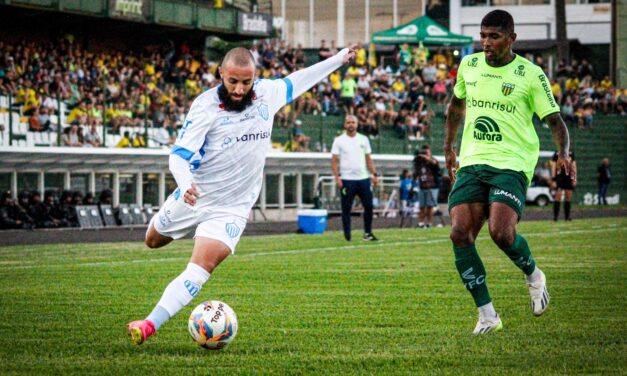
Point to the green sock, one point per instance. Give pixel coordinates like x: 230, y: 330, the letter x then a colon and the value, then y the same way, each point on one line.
x: 471, y: 270
x: 520, y: 254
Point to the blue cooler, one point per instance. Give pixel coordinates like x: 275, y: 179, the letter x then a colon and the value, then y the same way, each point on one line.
x: 312, y: 221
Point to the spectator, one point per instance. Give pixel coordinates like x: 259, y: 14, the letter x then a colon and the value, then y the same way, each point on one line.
x: 429, y: 75
x: 8, y: 213
x: 77, y: 198
x: 588, y: 112
x: 89, y: 199
x: 604, y: 177
x: 568, y: 112
x: 92, y: 137
x: 67, y: 209
x: 125, y: 141
x: 23, y: 210
x: 34, y: 122
x: 138, y: 140
x: 53, y: 214
x: 71, y: 135
x: 405, y: 192
x: 348, y: 94
x: 427, y: 169
x: 565, y: 184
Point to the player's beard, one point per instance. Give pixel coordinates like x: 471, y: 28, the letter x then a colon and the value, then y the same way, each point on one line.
x: 235, y: 106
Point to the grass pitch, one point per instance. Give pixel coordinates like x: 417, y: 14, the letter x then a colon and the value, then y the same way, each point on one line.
x: 320, y: 305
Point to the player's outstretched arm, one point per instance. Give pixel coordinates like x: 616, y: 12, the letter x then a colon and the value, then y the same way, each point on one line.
x: 561, y: 140
x: 453, y: 120
x: 304, y: 79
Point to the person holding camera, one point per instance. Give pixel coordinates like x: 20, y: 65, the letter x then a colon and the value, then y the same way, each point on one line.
x: 427, y: 170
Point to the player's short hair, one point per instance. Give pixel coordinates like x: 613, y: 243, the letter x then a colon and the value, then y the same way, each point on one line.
x: 499, y: 18
x: 239, y: 56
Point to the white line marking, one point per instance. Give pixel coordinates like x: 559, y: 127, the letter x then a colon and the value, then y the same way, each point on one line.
x: 379, y: 244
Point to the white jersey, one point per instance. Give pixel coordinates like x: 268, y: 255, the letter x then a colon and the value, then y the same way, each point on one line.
x: 227, y: 150
x: 352, y: 152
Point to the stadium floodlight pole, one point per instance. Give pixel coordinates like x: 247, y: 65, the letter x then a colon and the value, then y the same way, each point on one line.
x: 10, y: 119
x: 283, y: 17
x: 145, y: 115
x: 311, y: 23
x: 59, y: 119
x: 104, y: 124
x: 395, y: 13
x: 340, y: 23
x: 367, y: 22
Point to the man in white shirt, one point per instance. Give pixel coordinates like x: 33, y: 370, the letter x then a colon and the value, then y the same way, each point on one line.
x: 217, y: 162
x: 350, y: 163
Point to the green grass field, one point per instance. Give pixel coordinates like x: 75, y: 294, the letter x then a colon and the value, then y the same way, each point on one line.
x: 319, y: 305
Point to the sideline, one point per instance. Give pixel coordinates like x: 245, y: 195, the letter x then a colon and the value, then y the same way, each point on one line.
x: 380, y: 244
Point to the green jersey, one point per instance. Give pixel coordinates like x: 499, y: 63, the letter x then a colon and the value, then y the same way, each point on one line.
x: 500, y: 102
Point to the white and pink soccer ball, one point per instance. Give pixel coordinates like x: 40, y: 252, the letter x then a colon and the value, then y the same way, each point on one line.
x: 212, y: 325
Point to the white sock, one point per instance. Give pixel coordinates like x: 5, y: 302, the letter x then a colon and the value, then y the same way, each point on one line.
x: 183, y: 288
x: 535, y: 276
x: 487, y: 311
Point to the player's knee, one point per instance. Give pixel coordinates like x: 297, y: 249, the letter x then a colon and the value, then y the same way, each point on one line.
x: 502, y: 237
x: 152, y: 243
x: 460, y: 237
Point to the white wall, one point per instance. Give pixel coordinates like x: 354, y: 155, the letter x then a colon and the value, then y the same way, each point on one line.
x: 590, y: 23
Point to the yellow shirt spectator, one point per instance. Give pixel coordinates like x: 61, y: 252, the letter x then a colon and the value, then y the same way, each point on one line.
x: 335, y: 80
x: 398, y: 86
x: 556, y: 89
x: 123, y: 143
x: 110, y: 113
x: 360, y: 59
x: 606, y: 84
x: 76, y: 114
x: 352, y: 71
x: 438, y: 59
x: 150, y: 69
x: 192, y: 87
x: 572, y: 84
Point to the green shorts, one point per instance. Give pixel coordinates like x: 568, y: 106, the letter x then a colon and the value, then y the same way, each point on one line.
x: 483, y: 183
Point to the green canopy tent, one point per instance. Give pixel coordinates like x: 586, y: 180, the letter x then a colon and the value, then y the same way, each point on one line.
x: 422, y: 29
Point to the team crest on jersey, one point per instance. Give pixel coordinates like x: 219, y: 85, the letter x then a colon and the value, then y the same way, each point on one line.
x: 507, y: 88
x: 232, y: 230
x: 263, y: 111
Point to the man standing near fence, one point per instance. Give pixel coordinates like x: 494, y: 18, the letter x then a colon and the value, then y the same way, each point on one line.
x: 350, y: 163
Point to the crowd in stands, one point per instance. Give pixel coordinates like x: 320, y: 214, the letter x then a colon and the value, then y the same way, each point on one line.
x: 155, y: 86
x: 581, y: 96
x: 30, y: 211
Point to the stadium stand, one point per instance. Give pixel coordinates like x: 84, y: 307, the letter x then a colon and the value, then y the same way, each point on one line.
x: 145, y: 94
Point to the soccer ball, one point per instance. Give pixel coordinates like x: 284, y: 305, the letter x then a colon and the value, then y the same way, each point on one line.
x: 212, y: 325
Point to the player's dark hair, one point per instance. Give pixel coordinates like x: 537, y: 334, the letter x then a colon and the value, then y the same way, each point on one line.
x: 499, y: 18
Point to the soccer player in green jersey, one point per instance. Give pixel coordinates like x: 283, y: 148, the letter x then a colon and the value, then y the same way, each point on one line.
x: 499, y: 91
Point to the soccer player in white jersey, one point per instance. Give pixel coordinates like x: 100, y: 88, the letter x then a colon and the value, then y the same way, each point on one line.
x: 217, y: 162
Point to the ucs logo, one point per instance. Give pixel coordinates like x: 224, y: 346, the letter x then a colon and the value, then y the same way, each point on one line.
x: 473, y: 281
x: 486, y: 129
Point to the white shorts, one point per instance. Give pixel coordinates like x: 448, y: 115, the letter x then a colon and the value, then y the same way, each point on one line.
x: 176, y: 218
